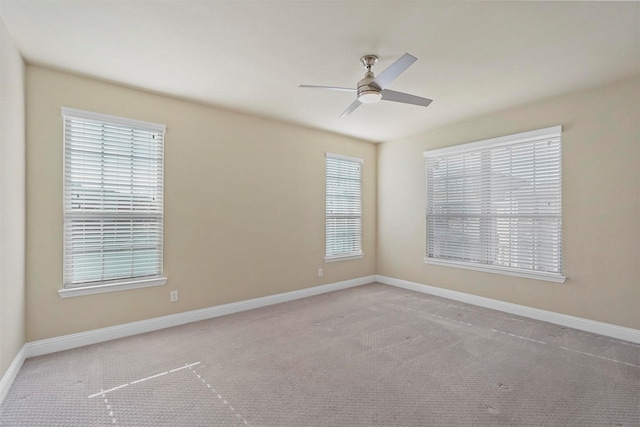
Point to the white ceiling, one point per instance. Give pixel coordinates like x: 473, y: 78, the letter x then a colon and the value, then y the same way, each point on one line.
x: 250, y: 56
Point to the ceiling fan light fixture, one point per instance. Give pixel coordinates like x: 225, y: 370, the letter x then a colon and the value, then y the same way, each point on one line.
x: 369, y: 96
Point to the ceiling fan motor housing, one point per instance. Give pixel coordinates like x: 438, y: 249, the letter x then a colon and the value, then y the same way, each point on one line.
x: 368, y: 94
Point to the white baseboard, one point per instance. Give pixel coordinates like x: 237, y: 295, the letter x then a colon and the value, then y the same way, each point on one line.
x: 66, y: 342
x: 595, y: 327
x: 12, y: 372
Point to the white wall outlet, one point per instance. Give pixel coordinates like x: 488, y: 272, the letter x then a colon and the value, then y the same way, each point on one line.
x: 320, y: 272
x: 173, y: 296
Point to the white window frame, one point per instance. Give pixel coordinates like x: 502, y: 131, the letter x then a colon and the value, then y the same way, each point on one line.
x: 330, y: 215
x: 124, y: 282
x: 486, y: 260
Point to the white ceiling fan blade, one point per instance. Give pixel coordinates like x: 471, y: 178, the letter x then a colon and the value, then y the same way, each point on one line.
x: 350, y: 108
x: 392, y: 72
x: 345, y: 89
x: 392, y: 95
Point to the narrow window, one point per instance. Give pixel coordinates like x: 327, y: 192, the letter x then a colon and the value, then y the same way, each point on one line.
x: 343, y: 207
x: 496, y: 205
x: 113, y: 200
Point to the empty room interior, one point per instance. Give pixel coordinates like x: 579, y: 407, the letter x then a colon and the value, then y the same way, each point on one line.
x: 283, y: 213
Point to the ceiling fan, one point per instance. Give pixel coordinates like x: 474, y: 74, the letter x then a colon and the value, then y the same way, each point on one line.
x: 373, y: 89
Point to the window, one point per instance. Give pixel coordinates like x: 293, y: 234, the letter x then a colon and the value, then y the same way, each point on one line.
x: 343, y: 207
x: 113, y: 202
x: 496, y: 205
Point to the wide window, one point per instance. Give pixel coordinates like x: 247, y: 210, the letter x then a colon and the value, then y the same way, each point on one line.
x: 343, y: 207
x: 113, y: 202
x: 496, y: 205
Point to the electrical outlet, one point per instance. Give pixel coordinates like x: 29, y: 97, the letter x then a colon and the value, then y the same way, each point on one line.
x: 320, y: 272
x: 173, y: 296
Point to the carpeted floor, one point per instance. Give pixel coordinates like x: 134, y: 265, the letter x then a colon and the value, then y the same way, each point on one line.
x: 368, y: 356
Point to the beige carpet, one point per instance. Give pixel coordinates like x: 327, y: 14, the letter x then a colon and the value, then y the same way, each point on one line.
x: 368, y: 356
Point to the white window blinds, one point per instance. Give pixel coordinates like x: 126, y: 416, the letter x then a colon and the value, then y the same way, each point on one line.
x: 343, y: 207
x: 496, y: 205
x: 113, y: 199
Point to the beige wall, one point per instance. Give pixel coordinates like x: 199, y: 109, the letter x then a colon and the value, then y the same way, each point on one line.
x: 244, y: 206
x: 12, y: 200
x: 601, y: 205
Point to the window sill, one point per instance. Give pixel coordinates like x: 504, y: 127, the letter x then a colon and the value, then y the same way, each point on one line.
x: 112, y: 287
x: 537, y: 275
x: 343, y: 258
